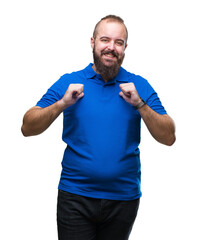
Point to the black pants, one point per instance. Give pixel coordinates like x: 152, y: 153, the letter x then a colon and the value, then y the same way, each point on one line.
x: 84, y: 218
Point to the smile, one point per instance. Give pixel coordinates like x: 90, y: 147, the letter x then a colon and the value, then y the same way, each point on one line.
x: 110, y: 54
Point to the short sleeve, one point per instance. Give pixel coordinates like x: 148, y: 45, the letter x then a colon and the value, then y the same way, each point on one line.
x: 154, y: 103
x: 54, y: 93
x: 148, y: 94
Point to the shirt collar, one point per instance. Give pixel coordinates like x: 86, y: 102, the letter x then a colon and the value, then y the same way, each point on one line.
x: 122, y: 75
x: 89, y: 71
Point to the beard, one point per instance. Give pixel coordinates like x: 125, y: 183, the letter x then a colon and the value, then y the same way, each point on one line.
x: 107, y: 72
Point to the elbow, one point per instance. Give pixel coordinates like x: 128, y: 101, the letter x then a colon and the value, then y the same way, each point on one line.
x: 24, y: 132
x: 28, y: 131
x: 167, y: 139
x: 171, y: 136
x: 171, y: 141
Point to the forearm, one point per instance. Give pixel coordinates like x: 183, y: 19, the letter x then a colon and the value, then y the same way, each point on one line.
x: 161, y: 127
x: 37, y: 119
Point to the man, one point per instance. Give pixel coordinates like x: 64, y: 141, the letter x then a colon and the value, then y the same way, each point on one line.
x: 103, y: 104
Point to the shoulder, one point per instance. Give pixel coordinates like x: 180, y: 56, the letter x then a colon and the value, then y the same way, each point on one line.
x: 68, y: 78
x: 131, y: 77
x: 137, y: 79
x: 73, y: 77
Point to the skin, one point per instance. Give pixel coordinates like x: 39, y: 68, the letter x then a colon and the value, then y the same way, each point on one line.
x: 111, y: 37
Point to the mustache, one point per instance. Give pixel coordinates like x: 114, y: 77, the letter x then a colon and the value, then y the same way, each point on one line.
x: 110, y: 52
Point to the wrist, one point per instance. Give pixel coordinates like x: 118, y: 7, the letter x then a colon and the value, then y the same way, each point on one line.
x: 140, y: 104
x: 62, y: 105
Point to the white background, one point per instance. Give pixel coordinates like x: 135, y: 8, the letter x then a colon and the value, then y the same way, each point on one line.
x: 43, y: 39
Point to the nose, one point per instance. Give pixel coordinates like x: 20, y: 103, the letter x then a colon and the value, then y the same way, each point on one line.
x: 111, y: 45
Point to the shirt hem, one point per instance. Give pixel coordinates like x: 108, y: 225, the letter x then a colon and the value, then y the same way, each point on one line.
x: 100, y: 195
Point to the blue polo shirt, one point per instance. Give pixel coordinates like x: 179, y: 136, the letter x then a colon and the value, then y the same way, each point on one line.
x: 102, y: 133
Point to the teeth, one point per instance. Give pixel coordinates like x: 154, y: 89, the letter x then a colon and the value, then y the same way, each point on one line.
x: 109, y: 55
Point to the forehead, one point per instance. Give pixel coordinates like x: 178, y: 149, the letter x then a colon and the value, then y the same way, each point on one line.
x: 111, y: 29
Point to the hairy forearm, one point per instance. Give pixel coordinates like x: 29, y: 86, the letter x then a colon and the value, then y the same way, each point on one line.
x: 161, y: 127
x: 37, y: 119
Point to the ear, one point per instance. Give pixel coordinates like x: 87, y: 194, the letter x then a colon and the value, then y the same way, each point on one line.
x: 92, y: 42
x: 125, y: 46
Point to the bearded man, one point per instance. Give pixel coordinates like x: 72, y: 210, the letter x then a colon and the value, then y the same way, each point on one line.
x: 102, y: 106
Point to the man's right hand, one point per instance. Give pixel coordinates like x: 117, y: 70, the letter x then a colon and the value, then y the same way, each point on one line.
x: 72, y: 95
x: 38, y: 119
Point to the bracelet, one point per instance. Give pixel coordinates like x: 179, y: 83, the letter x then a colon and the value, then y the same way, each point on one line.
x: 141, y: 104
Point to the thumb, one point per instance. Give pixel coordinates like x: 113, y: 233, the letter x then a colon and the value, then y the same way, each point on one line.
x: 80, y: 95
x: 125, y: 97
x: 122, y: 95
x: 76, y: 93
x: 125, y: 94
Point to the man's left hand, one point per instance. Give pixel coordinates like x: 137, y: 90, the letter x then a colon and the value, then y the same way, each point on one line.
x: 129, y: 93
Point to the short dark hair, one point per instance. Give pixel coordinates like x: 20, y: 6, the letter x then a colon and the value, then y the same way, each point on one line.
x: 112, y: 18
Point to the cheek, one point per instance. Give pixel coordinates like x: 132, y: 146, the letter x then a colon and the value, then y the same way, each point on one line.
x: 121, y: 52
x: 99, y: 49
x: 101, y: 46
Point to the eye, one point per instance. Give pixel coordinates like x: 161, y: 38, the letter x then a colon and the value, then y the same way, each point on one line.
x: 120, y: 43
x: 104, y: 40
